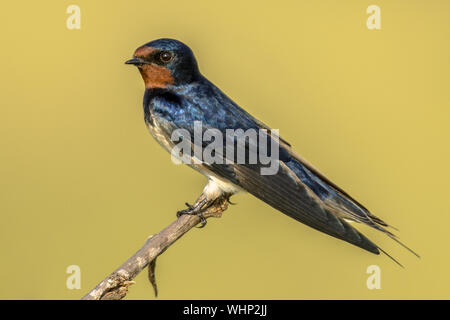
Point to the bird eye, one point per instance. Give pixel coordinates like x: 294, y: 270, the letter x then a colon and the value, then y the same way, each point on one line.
x: 165, y: 56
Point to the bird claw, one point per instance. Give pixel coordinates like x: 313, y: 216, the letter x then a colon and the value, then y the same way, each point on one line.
x: 183, y: 212
x: 189, y: 205
x: 202, y: 220
x: 194, y: 211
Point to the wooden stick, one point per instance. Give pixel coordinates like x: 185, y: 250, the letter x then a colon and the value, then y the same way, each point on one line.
x: 115, y: 286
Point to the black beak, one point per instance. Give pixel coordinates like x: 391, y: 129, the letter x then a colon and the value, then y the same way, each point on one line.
x: 135, y: 61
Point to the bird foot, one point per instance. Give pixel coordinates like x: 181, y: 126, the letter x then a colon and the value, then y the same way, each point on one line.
x: 197, y: 210
x: 205, y: 208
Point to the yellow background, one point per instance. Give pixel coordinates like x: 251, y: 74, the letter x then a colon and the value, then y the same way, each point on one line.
x: 82, y: 182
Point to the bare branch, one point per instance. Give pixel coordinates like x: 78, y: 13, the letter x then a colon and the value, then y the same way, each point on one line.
x: 115, y: 286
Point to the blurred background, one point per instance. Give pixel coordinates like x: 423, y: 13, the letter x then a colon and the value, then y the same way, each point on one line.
x: 83, y: 183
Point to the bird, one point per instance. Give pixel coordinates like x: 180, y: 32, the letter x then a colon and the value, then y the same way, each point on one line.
x: 177, y: 96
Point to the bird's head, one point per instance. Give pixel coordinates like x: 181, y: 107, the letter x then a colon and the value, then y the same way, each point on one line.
x: 165, y: 62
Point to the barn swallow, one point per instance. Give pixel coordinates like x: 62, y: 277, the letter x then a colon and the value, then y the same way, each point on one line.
x: 177, y: 95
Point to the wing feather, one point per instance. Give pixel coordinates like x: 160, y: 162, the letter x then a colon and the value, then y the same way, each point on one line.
x: 286, y: 193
